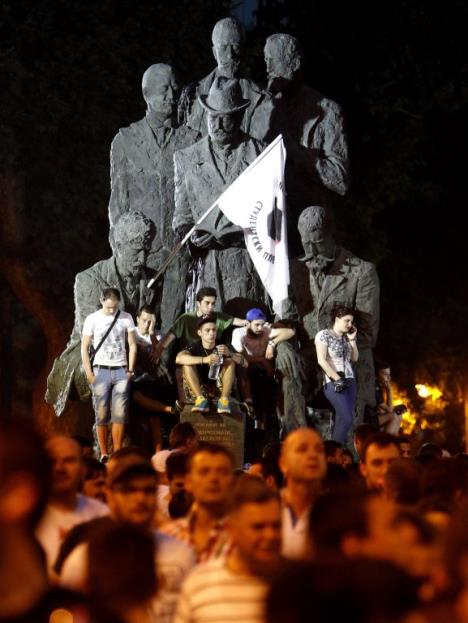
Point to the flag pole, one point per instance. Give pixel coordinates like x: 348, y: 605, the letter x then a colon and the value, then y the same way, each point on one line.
x: 180, y: 244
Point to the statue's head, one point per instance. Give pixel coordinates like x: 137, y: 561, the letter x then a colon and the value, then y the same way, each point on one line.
x: 160, y: 89
x: 225, y: 105
x: 133, y: 234
x: 316, y: 227
x: 228, y: 41
x: 283, y: 58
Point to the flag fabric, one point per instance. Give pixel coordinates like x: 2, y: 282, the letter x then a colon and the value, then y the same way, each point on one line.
x: 255, y: 202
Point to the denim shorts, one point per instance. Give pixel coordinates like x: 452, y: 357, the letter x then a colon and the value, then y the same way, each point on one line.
x: 110, y: 392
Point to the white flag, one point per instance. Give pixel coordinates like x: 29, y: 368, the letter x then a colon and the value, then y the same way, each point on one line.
x: 255, y: 202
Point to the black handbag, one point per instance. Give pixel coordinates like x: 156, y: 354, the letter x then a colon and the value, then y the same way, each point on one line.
x: 93, y: 351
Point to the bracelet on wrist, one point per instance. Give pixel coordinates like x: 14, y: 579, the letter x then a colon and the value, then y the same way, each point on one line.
x: 271, y: 343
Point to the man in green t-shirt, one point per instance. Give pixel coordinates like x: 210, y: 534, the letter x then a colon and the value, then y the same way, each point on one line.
x: 185, y: 327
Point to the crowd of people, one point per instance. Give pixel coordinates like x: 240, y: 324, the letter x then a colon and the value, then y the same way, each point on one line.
x: 303, y: 534
x: 364, y: 525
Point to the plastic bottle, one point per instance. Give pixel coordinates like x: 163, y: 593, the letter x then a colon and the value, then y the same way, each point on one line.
x: 213, y: 372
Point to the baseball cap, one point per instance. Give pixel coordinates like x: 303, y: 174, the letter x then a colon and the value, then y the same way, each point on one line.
x: 255, y: 314
x: 124, y: 472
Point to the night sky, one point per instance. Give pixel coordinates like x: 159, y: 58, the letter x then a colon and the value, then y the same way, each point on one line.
x: 72, y: 76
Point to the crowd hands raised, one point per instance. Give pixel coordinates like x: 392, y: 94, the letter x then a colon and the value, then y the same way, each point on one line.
x: 304, y: 533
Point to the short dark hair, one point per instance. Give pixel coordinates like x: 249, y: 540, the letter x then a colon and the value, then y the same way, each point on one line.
x: 93, y: 468
x: 110, y: 293
x: 363, y: 431
x: 339, y: 310
x: 207, y: 318
x: 176, y: 464
x: 209, y: 448
x: 180, y: 434
x: 382, y: 440
x: 250, y: 489
x: 202, y: 292
x: 121, y: 566
x: 331, y: 446
x: 270, y: 467
x: 145, y: 309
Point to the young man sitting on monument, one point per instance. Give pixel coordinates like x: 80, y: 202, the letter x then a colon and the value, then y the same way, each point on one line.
x: 185, y: 327
x: 208, y: 369
x: 257, y: 341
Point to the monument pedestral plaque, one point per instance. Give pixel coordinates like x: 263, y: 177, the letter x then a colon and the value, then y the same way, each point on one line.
x: 225, y: 430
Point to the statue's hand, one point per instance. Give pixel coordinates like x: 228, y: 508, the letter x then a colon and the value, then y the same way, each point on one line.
x: 182, y: 231
x: 201, y: 239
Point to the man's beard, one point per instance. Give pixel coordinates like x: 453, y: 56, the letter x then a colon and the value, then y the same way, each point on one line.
x: 255, y: 336
x: 320, y: 263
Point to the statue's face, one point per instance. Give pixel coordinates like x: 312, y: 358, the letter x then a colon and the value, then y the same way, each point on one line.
x: 131, y: 258
x: 277, y: 65
x: 222, y: 128
x: 317, y: 248
x: 163, y: 96
x: 227, y: 50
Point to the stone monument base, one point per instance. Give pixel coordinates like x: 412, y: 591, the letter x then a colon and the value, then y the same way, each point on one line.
x: 225, y: 430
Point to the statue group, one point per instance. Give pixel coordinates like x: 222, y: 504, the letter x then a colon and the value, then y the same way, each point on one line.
x: 168, y: 168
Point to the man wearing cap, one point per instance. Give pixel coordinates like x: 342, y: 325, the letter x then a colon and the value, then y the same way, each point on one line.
x: 202, y: 173
x: 196, y: 361
x: 257, y: 341
x: 131, y: 495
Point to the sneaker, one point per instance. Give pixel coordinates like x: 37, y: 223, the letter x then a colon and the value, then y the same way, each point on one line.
x: 224, y: 406
x: 201, y: 405
x: 104, y: 458
x: 177, y: 407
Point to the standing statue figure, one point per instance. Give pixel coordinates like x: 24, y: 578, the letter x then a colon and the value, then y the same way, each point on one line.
x: 327, y: 275
x: 202, y: 173
x: 312, y: 128
x: 126, y: 270
x: 142, y: 178
x: 228, y: 39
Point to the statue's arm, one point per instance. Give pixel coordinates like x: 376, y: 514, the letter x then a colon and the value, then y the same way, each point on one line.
x: 86, y: 293
x: 183, y: 218
x: 368, y: 305
x: 119, y: 200
x: 323, y: 153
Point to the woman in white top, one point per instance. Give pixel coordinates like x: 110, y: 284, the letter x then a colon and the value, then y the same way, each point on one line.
x: 336, y: 352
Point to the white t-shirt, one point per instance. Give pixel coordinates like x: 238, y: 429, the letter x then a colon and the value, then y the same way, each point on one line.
x: 213, y: 594
x: 243, y: 341
x: 145, y: 340
x: 56, y: 523
x: 338, y: 352
x: 113, y: 351
x: 173, y: 562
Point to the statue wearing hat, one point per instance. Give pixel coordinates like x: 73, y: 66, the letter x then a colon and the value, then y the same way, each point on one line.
x: 228, y: 38
x: 202, y: 172
x: 327, y: 275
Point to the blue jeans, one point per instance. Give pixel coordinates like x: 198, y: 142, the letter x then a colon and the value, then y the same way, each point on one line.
x: 110, y: 395
x: 343, y: 406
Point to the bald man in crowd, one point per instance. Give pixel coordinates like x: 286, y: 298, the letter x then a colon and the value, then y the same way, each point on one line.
x: 66, y: 506
x: 303, y: 464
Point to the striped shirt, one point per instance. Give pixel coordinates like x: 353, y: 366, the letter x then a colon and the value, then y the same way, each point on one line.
x: 218, y: 542
x: 213, y: 594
